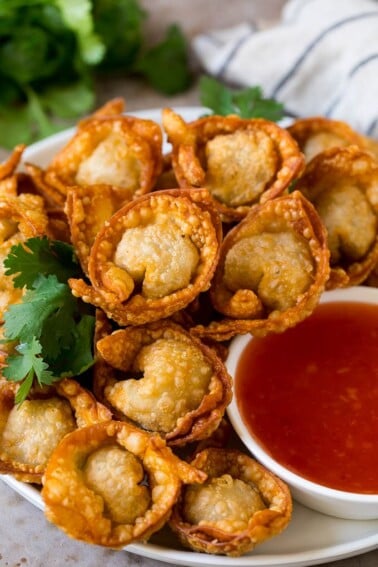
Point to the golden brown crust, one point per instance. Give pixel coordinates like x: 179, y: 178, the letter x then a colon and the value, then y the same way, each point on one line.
x: 287, y: 241
x: 87, y: 209
x: 184, y: 386
x: 262, y: 505
x: 115, y: 150
x: 240, y: 161
x: 47, y: 185
x: 316, y: 134
x: 342, y: 183
x: 154, y: 256
x: 21, y: 217
x: 30, y: 432
x: 112, y: 107
x: 8, y: 167
x: 91, y: 514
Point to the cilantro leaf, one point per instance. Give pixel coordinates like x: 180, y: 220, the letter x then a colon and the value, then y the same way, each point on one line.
x: 69, y: 101
x: 40, y: 256
x: 58, y: 330
x: 15, y: 126
x: 166, y: 65
x: 54, y: 330
x: 78, y: 357
x: 25, y: 365
x: 119, y: 23
x: 77, y: 15
x: 247, y: 103
x: 25, y: 320
x: 216, y: 96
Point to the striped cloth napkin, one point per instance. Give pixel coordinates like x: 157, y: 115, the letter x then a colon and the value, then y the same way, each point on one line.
x: 321, y: 59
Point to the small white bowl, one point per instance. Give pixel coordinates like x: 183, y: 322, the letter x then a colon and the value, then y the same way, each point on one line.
x: 326, y: 500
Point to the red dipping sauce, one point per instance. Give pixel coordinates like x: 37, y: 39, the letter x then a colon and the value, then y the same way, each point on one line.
x: 310, y: 396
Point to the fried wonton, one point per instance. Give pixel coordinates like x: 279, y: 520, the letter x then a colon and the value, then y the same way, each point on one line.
x: 316, y: 134
x: 240, y: 505
x: 123, y: 150
x: 272, y: 270
x: 112, y: 484
x: 87, y: 209
x: 9, y: 166
x: 153, y: 257
x: 240, y: 161
x: 167, y: 381
x: 29, y: 432
x: 342, y: 184
x: 21, y: 217
x: 107, y: 148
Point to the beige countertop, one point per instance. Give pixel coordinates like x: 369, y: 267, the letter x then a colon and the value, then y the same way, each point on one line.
x: 26, y: 538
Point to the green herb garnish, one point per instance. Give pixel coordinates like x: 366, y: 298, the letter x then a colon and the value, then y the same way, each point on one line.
x: 53, y: 329
x: 52, y: 52
x: 166, y: 65
x: 246, y: 103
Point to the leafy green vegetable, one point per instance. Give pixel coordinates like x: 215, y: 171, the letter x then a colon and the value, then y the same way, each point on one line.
x: 77, y: 15
x: 119, y: 24
x: 247, y: 103
x: 166, y: 64
x: 43, y: 44
x: 54, y: 330
x: 41, y: 256
x: 51, y: 52
x: 26, y: 365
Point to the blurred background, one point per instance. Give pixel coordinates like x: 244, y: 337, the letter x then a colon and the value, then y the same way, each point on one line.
x: 61, y: 59
x: 194, y: 17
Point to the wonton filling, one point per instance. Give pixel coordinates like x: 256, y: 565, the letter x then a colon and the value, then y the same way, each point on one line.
x: 240, y: 166
x: 34, y: 429
x: 320, y: 142
x: 117, y: 476
x: 176, y: 376
x: 113, y: 163
x: 349, y: 220
x: 223, y: 502
x: 159, y: 256
x: 277, y: 266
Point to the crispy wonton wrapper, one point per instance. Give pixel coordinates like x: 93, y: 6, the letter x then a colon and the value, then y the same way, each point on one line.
x: 167, y: 381
x: 112, y: 484
x: 87, y: 209
x: 342, y: 184
x: 240, y: 161
x: 272, y: 270
x: 9, y: 166
x: 30, y: 432
x: 107, y: 148
x: 21, y: 217
x: 240, y: 505
x: 316, y: 134
x: 153, y: 257
x: 117, y: 150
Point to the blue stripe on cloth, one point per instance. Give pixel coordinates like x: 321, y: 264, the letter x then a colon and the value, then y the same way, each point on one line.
x: 351, y: 73
x: 213, y: 40
x: 372, y: 127
x: 233, y: 52
x: 314, y: 43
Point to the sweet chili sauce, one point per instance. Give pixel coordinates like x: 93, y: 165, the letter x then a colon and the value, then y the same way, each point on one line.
x: 310, y: 396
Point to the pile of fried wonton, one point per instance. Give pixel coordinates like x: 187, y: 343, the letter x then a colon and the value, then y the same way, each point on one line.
x: 239, y: 229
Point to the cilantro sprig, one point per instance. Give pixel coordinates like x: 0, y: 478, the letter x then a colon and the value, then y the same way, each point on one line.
x: 53, y: 52
x: 53, y: 329
x: 246, y: 103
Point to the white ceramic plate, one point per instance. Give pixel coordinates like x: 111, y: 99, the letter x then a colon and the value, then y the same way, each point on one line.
x: 310, y: 539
